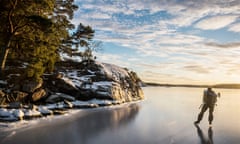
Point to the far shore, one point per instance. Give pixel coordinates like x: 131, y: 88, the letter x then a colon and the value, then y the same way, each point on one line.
x: 223, y: 86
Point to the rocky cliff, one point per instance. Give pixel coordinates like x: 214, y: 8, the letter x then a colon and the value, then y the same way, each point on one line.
x: 73, y: 85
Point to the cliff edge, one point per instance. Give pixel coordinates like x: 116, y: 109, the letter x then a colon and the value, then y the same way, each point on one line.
x: 72, y: 85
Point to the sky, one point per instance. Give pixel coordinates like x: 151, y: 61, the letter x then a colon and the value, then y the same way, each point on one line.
x: 168, y: 41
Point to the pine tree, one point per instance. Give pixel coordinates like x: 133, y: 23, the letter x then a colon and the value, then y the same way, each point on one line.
x: 37, y: 31
x: 22, y: 26
x: 83, y: 38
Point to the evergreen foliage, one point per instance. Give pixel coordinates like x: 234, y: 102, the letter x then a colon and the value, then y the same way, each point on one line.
x: 37, y: 31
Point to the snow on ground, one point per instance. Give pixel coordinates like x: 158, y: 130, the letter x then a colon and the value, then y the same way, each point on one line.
x: 72, y: 77
x: 3, y: 82
x: 13, y: 127
x: 113, y: 71
x: 11, y: 115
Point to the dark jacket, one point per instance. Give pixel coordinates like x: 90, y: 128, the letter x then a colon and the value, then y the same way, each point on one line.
x: 209, y: 97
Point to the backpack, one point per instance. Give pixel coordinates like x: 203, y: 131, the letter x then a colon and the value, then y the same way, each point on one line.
x: 209, y: 97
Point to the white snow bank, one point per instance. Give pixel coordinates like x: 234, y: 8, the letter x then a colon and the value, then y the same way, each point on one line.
x: 32, y: 113
x: 3, y: 82
x: 113, y: 71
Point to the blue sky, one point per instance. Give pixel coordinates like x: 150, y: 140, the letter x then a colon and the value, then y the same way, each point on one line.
x: 168, y: 41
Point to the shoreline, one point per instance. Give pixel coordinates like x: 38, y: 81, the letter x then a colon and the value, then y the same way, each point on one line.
x: 217, y: 86
x: 28, y: 113
x: 70, y: 115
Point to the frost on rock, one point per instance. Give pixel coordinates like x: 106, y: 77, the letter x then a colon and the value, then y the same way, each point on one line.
x: 99, y: 81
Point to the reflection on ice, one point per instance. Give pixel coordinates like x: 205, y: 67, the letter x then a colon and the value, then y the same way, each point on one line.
x: 166, y: 117
x: 203, y: 138
x: 79, y: 129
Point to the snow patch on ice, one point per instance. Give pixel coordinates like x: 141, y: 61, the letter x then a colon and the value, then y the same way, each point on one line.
x: 32, y: 113
x: 18, y: 113
x: 4, y: 112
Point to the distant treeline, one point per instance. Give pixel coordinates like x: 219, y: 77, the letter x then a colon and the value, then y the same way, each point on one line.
x: 227, y: 86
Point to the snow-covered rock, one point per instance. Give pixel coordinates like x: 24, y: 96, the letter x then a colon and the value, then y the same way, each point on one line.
x: 4, y: 112
x: 31, y: 86
x: 79, y: 86
x: 44, y: 110
x: 3, y: 82
x: 59, y: 97
x: 30, y: 113
x: 99, y: 81
x: 18, y: 113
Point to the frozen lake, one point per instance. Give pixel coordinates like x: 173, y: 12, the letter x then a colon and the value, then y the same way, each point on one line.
x: 166, y: 116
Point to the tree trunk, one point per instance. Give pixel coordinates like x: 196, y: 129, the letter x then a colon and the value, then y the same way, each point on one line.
x: 3, y: 59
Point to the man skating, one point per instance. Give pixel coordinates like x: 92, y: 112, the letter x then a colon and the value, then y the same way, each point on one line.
x: 209, y: 100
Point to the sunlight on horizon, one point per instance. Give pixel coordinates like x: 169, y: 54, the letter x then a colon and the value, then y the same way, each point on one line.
x: 168, y: 41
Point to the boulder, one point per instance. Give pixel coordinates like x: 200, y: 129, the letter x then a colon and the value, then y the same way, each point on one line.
x: 44, y: 111
x: 18, y: 113
x: 31, y: 86
x: 4, y: 113
x: 2, y: 94
x: 3, y: 83
x: 31, y: 113
x: 68, y: 104
x: 100, y: 81
x: 15, y: 105
x: 65, y: 85
x: 38, y: 95
x: 20, y: 96
x: 7, y: 116
x: 2, y: 97
x: 60, y: 85
x: 59, y: 97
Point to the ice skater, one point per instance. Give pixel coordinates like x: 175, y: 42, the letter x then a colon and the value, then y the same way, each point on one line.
x: 209, y: 101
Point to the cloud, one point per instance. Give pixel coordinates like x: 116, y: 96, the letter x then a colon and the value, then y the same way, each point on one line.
x: 165, y: 78
x: 113, y: 58
x: 226, y: 45
x: 197, y: 68
x: 235, y: 28
x: 156, y: 31
x: 216, y: 22
x: 186, y: 13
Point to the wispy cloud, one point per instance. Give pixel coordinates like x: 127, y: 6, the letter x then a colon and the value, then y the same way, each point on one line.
x: 235, y: 28
x: 197, y: 68
x: 167, y: 36
x: 216, y: 22
x: 226, y: 45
